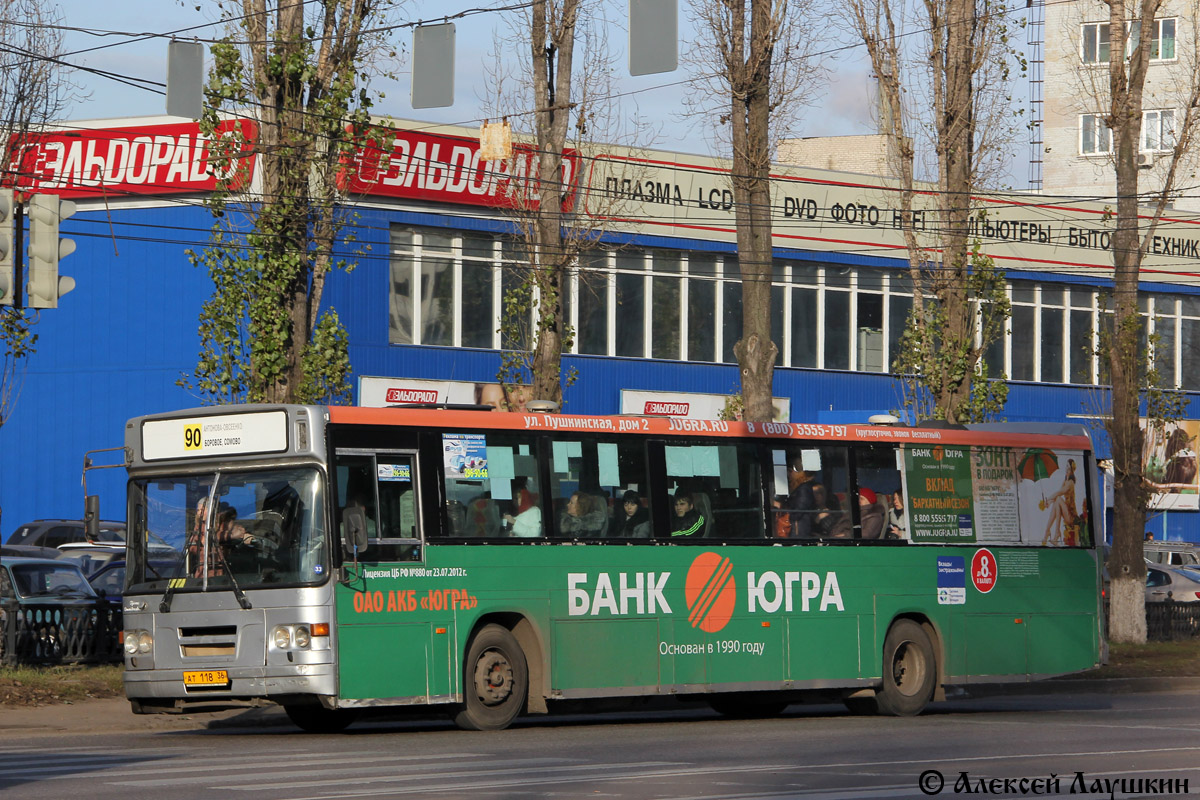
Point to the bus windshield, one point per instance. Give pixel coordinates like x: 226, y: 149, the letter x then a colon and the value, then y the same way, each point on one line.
x: 227, y: 530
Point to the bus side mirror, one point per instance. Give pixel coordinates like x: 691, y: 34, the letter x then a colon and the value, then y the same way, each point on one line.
x: 354, y: 529
x: 91, y: 517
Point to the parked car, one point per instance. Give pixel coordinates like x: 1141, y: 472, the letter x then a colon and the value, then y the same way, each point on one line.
x: 1181, y: 584
x: 109, y: 580
x: 58, y: 613
x: 55, y: 532
x: 1173, y: 554
x: 28, y: 551
x: 91, y: 557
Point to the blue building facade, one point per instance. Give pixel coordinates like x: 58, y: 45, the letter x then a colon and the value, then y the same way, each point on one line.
x: 657, y: 310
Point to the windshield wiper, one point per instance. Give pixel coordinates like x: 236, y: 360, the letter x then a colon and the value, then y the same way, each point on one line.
x: 243, y: 601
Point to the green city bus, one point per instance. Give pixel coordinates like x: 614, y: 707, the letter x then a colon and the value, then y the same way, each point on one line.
x: 336, y: 559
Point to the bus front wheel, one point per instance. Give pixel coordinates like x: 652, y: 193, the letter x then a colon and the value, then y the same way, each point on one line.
x: 909, y: 670
x: 497, y: 680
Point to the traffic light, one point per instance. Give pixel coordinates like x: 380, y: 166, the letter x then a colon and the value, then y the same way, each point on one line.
x: 45, y: 250
x: 8, y: 281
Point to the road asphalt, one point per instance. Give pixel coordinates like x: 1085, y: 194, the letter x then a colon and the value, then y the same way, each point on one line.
x: 113, y: 715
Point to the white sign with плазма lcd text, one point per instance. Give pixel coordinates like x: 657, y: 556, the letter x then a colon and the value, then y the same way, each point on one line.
x: 216, y: 435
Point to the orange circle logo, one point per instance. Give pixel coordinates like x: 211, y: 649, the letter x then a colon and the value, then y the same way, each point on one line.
x: 711, y: 592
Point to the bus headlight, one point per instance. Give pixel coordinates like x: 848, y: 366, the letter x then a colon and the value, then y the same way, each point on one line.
x: 138, y: 642
x: 292, y: 637
x: 282, y: 637
x: 302, y: 637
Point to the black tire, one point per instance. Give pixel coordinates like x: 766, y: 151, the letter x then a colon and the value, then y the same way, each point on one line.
x: 739, y: 706
x: 909, y: 670
x: 318, y: 719
x: 496, y: 681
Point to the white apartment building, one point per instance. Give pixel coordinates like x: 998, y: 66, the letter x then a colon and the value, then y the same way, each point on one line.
x: 1078, y: 148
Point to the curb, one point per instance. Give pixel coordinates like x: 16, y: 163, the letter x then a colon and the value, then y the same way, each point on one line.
x: 112, y: 715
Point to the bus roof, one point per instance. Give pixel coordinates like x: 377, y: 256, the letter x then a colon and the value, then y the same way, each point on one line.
x: 1050, y: 435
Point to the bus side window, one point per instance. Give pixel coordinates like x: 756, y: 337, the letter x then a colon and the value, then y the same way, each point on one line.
x: 491, y: 485
x: 397, y: 500
x: 589, y: 479
x: 877, y: 480
x: 356, y: 487
x: 725, y: 484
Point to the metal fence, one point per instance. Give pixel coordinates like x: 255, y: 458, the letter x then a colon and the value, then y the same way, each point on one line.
x: 59, y: 634
x: 1170, y: 620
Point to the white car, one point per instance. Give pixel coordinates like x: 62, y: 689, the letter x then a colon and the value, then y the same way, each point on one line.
x: 1181, y: 584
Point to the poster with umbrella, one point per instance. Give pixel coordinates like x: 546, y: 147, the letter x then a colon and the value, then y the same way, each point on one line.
x: 1052, y: 511
x: 1038, y: 464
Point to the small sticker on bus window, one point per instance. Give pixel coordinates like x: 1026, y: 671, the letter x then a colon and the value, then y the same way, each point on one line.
x: 810, y: 460
x: 610, y: 469
x: 395, y: 472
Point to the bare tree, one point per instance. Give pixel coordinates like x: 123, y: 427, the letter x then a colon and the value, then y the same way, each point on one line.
x: 952, y: 83
x: 566, y: 86
x: 33, y: 91
x: 300, y: 70
x: 752, y: 57
x: 1133, y: 231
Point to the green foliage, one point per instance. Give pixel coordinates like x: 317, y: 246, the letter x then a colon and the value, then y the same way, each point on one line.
x: 19, y: 342
x: 945, y: 375
x: 326, y: 364
x: 261, y: 336
x: 16, y: 331
x: 734, y: 408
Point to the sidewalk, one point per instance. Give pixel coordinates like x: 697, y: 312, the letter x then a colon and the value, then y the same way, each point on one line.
x: 113, y: 715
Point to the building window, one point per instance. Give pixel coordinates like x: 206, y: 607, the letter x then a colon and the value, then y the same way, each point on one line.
x: 1162, y: 39
x: 1095, y: 138
x: 701, y: 307
x: 1081, y: 343
x: 731, y: 312
x: 665, y: 304
x: 629, y: 322
x: 427, y: 287
x: 1158, y: 130
x: 591, y: 330
x: 1189, y: 343
x: 1095, y: 43
x: 447, y: 289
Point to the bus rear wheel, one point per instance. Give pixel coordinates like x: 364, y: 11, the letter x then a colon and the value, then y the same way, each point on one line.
x: 909, y: 670
x: 318, y: 719
x: 497, y: 681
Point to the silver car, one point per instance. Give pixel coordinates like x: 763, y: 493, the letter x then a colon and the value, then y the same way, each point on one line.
x: 1181, y: 584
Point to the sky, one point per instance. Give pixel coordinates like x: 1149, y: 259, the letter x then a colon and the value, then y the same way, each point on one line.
x: 842, y: 107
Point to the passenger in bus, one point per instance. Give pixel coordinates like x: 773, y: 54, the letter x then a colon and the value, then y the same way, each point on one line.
x: 833, y: 522
x: 632, y: 521
x: 582, y: 517
x: 687, y: 520
x: 526, y: 519
x: 800, y: 504
x: 870, y: 513
x: 896, y: 523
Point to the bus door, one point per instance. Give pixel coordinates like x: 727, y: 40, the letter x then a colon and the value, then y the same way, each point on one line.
x: 386, y: 644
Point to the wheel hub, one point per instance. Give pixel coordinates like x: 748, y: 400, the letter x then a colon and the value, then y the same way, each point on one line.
x: 493, y: 678
x: 908, y: 669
